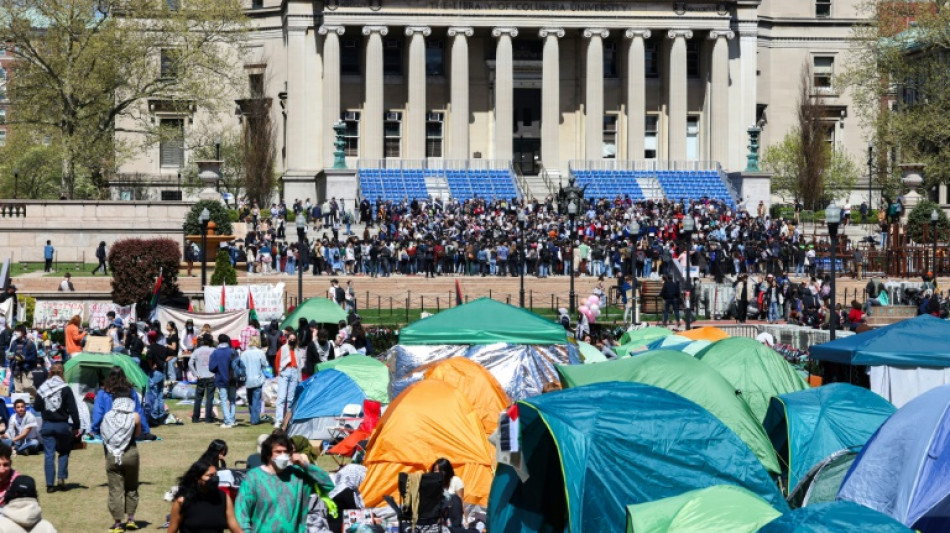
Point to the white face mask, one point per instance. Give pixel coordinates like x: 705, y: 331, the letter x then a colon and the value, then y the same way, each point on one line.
x: 281, y: 462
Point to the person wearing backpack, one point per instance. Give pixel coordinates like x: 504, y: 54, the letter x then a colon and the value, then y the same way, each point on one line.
x: 220, y: 365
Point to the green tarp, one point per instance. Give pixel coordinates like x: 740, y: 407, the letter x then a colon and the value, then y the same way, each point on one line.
x: 483, y: 321
x: 591, y: 451
x: 320, y: 310
x: 369, y: 374
x: 590, y: 353
x: 680, y: 373
x: 719, y: 509
x: 642, y: 337
x: 837, y: 517
x: 756, y: 371
x: 90, y: 368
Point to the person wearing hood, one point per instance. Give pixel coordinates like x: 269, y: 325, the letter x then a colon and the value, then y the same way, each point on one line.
x: 120, y: 426
x: 57, y: 404
x: 22, y: 512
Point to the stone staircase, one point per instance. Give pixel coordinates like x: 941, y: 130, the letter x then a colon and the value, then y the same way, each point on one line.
x: 437, y: 186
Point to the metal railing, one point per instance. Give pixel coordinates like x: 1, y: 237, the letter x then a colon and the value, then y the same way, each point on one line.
x: 647, y: 165
x: 435, y: 164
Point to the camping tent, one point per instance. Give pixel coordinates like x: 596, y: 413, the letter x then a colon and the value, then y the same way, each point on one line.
x: 590, y: 353
x: 902, y: 470
x: 371, y: 375
x: 837, y: 517
x: 907, y: 358
x: 680, y: 344
x: 320, y: 400
x: 518, y: 347
x: 680, y: 373
x: 476, y: 383
x: 642, y: 337
x: 321, y: 310
x: 89, y: 369
x: 431, y: 419
x: 807, y: 426
x: 591, y: 451
x: 755, y: 370
x: 821, y: 483
x: 717, y: 509
x: 705, y: 333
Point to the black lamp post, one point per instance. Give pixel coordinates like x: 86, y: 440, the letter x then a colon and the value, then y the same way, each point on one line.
x: 571, y: 212
x: 522, y: 218
x: 833, y: 218
x: 204, y: 218
x: 870, y: 173
x: 634, y: 228
x: 689, y: 225
x: 302, y: 249
x: 934, y: 218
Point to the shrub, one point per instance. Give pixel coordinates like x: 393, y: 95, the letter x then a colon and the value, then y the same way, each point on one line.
x: 224, y: 273
x: 135, y: 264
x: 919, y: 219
x: 219, y: 214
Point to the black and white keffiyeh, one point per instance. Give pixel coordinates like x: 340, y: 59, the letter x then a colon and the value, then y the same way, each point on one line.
x: 117, y: 427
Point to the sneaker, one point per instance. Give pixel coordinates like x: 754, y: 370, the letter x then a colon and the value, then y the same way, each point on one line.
x: 117, y: 529
x: 131, y: 526
x: 226, y: 426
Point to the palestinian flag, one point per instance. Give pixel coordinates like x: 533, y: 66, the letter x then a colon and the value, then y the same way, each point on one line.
x: 222, y: 298
x: 458, y: 292
x: 250, y: 305
x: 158, y: 287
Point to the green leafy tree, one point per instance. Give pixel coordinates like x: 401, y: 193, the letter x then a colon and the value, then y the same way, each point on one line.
x: 919, y: 226
x: 30, y: 166
x: 219, y: 214
x: 207, y: 146
x: 224, y: 273
x: 783, y: 160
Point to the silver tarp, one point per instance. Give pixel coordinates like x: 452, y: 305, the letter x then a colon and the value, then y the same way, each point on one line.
x: 522, y: 370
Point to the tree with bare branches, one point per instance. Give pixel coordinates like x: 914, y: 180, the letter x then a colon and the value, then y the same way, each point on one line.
x: 259, y: 141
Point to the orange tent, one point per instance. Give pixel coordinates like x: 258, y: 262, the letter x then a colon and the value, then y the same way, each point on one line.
x: 430, y: 419
x: 705, y: 333
x: 476, y: 383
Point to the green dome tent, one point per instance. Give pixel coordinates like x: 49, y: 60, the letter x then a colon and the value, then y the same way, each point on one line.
x: 642, y: 337
x: 483, y: 321
x: 680, y: 344
x: 371, y: 375
x: 755, y: 370
x: 718, y: 509
x: 321, y: 310
x: 680, y: 373
x: 591, y: 451
x: 590, y: 353
x: 89, y: 369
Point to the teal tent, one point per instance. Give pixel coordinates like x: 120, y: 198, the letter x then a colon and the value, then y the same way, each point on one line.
x: 320, y: 310
x: 681, y: 374
x: 371, y: 375
x: 90, y: 369
x: 483, y: 321
x: 718, y: 509
x: 837, y: 517
x: 822, y: 483
x: 680, y: 344
x: 807, y: 426
x: 642, y: 337
x: 591, y: 451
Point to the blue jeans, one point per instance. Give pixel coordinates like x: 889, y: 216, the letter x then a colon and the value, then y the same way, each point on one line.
x: 24, y: 446
x: 171, y: 371
x: 226, y: 395
x: 153, y: 399
x: 774, y: 312
x: 286, y: 389
x: 254, y: 403
x: 51, y: 433
x: 647, y: 265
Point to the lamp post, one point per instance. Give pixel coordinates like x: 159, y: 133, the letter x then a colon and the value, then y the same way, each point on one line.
x: 689, y: 225
x: 302, y: 250
x: 204, y: 218
x: 934, y: 218
x: 635, y: 232
x: 833, y: 218
x: 870, y: 173
x: 522, y: 218
x: 571, y: 212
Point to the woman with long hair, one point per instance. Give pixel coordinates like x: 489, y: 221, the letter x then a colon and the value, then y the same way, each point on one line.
x: 116, y: 380
x: 61, y: 425
x: 216, y: 453
x: 287, y: 368
x: 120, y: 426
x: 74, y: 336
x: 199, y: 507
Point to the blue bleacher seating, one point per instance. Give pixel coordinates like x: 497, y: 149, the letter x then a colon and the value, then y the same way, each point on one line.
x: 676, y: 184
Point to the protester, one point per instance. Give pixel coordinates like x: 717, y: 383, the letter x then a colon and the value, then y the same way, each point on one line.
x: 7, y: 473
x: 57, y: 406
x: 320, y: 350
x: 200, y: 507
x: 22, y: 512
x: 101, y: 256
x: 172, y: 347
x: 220, y: 365
x: 75, y: 336
x: 134, y: 345
x: 120, y: 427
x: 204, y: 386
x: 24, y: 360
x: 451, y: 483
x: 154, y: 365
x: 255, y: 364
x: 217, y: 454
x: 288, y: 375
x: 116, y: 380
x: 66, y: 285
x: 48, y: 253
x: 23, y: 435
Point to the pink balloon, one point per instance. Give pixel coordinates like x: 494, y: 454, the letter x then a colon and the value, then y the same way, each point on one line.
x: 597, y: 313
x: 583, y: 309
x: 592, y: 300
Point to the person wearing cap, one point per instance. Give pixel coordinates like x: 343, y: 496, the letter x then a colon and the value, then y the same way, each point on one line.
x: 220, y: 365
x: 21, y: 511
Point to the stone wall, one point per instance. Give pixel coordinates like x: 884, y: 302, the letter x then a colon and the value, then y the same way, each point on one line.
x: 77, y: 227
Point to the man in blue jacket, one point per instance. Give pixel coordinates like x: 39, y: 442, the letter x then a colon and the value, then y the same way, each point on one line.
x: 220, y: 364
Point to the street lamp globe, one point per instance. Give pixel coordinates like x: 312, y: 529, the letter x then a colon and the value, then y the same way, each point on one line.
x: 934, y: 216
x: 205, y: 216
x: 572, y: 208
x: 689, y: 224
x: 833, y: 218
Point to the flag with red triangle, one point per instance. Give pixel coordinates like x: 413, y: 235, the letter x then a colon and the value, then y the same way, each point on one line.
x: 222, y: 297
x: 158, y: 287
x: 458, y: 293
x: 250, y: 305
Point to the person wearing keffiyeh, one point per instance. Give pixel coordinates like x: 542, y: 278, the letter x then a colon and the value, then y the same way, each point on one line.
x: 119, y: 428
x: 61, y: 425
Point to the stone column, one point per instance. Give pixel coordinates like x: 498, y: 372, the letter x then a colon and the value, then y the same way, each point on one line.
x: 458, y: 146
x: 636, y: 93
x: 747, y: 79
x: 677, y: 98
x: 416, y: 112
x: 297, y: 100
x: 331, y: 88
x: 504, y: 93
x: 594, y: 93
x: 371, y: 122
x: 719, y: 101
x: 551, y: 98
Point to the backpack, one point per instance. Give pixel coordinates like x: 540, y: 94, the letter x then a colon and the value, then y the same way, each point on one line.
x: 238, y: 370
x: 340, y: 294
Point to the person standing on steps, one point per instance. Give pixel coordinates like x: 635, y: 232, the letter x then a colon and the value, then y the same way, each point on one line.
x: 48, y: 257
x: 101, y: 256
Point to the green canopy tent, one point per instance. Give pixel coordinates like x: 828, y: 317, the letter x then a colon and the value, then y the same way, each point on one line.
x: 483, y: 321
x: 717, y: 509
x: 89, y: 369
x: 590, y: 353
x: 756, y: 371
x: 320, y: 310
x: 680, y: 373
x: 642, y: 337
x: 371, y: 375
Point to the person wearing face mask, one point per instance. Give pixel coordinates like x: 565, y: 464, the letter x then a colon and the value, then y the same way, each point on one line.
x: 274, y: 497
x: 23, y: 360
x: 288, y: 375
x: 199, y: 506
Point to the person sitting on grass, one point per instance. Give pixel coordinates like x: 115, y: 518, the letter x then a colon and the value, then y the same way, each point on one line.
x: 21, y: 511
x: 7, y: 473
x: 200, y: 506
x: 23, y: 435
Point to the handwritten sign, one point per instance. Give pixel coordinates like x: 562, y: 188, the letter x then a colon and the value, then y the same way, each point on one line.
x: 55, y: 314
x: 98, y: 312
x: 268, y: 299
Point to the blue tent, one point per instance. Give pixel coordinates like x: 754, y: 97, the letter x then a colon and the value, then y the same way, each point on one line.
x: 920, y: 341
x: 807, y: 426
x: 591, y: 451
x: 321, y: 399
x: 836, y: 517
x: 904, y: 470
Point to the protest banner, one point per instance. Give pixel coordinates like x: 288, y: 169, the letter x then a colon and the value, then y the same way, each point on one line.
x: 55, y: 314
x: 98, y: 312
x: 268, y: 299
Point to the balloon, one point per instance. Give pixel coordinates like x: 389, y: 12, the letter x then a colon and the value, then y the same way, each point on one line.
x: 597, y: 313
x: 595, y: 308
x: 592, y: 318
x: 583, y: 309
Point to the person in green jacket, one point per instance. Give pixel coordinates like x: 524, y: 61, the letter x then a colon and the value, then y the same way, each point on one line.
x: 274, y: 496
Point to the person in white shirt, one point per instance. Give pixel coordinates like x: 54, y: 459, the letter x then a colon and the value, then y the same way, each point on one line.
x: 23, y: 435
x: 66, y: 285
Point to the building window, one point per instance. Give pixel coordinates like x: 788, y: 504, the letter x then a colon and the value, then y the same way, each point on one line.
x: 3, y: 138
x: 650, y: 137
x: 172, y: 143
x: 434, y: 127
x: 350, y: 57
x: 692, y: 138
x: 610, y: 136
x: 257, y: 4
x: 173, y: 5
x: 830, y: 132
x: 435, y: 58
x: 822, y: 8
x: 392, y: 134
x: 256, y: 84
x: 3, y: 116
x: 692, y: 58
x: 610, y: 59
x: 823, y: 70
x: 351, y: 134
x: 392, y: 57
x: 651, y: 59
x: 169, y: 65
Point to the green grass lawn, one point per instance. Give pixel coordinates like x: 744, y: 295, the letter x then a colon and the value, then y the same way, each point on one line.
x: 17, y: 269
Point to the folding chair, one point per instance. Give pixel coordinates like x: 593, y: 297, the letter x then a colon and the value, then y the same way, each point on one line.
x: 429, y: 513
x: 347, y: 422
x: 356, y: 440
